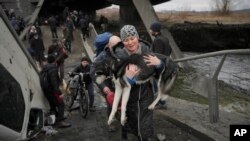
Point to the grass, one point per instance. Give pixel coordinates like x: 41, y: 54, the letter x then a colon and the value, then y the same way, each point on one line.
x: 171, y: 17
x: 204, y: 17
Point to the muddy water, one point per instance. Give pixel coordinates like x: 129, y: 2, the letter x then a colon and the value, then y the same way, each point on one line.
x: 235, y: 70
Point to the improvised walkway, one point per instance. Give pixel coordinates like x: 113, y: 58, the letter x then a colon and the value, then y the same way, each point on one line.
x: 94, y: 127
x: 187, y: 115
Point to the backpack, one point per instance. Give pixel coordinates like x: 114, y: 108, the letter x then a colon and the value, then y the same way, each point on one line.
x: 44, y: 79
x: 100, y: 42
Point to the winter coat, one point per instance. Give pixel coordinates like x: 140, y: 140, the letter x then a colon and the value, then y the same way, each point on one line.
x: 161, y: 45
x: 53, y: 78
x: 87, y: 79
x: 52, y: 23
x: 38, y: 47
x: 139, y: 117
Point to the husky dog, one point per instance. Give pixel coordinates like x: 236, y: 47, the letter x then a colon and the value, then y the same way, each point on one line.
x: 122, y: 87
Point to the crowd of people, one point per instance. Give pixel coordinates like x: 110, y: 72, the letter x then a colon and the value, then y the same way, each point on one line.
x: 139, y: 117
x: 52, y: 61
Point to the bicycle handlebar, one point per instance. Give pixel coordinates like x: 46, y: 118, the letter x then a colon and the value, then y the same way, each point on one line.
x: 72, y: 74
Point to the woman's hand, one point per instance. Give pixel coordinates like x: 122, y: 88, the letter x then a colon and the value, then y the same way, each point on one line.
x: 152, y: 60
x: 131, y: 70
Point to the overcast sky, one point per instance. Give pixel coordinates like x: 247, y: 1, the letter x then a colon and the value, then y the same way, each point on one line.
x: 198, y: 5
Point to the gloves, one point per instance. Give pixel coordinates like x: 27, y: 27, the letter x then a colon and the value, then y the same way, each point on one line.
x: 58, y: 98
x: 110, y: 98
x: 109, y: 95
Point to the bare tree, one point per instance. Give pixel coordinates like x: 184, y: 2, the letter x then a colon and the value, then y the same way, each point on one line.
x: 223, y: 6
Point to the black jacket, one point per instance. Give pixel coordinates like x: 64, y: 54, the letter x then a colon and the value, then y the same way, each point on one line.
x: 38, y: 48
x: 53, y: 78
x: 87, y: 79
x: 161, y: 45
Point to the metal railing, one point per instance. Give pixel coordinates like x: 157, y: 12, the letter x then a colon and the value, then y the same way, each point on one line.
x: 208, y: 86
x: 89, y: 42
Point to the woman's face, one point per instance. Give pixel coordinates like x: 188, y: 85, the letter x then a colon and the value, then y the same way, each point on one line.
x: 131, y: 43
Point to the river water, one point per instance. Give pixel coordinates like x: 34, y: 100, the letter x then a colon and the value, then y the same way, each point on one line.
x: 235, y: 70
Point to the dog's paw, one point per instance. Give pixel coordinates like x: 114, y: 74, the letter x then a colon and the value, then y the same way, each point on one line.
x: 123, y: 121
x: 110, y: 121
x: 151, y: 107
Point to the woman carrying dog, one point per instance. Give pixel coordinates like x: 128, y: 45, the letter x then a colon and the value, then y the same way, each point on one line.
x: 139, y: 117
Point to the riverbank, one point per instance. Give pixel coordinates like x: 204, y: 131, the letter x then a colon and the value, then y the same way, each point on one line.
x: 174, y: 17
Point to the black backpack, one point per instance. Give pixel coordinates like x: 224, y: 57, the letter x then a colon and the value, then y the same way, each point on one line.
x: 44, y: 79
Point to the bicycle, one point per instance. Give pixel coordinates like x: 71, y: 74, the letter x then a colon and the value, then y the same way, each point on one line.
x: 77, y: 89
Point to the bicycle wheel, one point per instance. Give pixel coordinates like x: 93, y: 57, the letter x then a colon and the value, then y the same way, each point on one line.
x: 69, y: 98
x: 84, y: 103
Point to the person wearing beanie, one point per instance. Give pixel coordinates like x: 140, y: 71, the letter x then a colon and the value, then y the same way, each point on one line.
x: 156, y: 27
x: 52, y: 91
x: 84, y: 67
x: 37, y: 45
x: 128, y: 31
x: 139, y: 118
x: 59, y: 52
x: 160, y: 45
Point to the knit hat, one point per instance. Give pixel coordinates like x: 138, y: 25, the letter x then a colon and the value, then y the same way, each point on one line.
x: 127, y: 31
x: 155, y: 27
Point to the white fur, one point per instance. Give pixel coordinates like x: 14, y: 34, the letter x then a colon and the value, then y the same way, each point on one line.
x: 160, y: 94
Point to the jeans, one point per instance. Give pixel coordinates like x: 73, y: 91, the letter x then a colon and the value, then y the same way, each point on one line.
x: 90, y: 88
